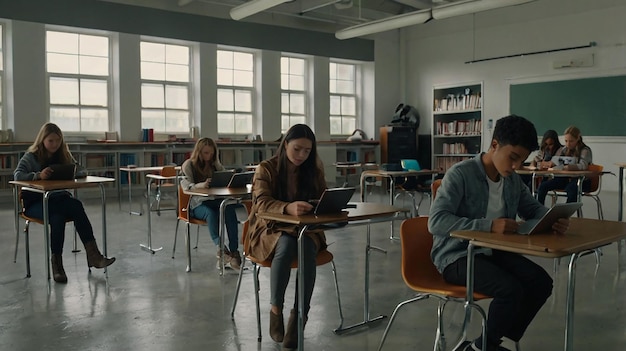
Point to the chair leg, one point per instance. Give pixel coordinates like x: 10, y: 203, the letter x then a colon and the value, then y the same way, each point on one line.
x: 158, y: 199
x: 27, y: 249
x: 440, y: 338
x: 255, y: 276
x: 334, y: 269
x: 197, y: 237
x: 175, y: 237
x: 599, y: 204
x: 232, y: 310
x: 17, y: 243
x: 393, y: 316
x: 188, y: 244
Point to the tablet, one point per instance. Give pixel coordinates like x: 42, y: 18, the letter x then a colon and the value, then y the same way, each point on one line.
x: 544, y: 224
x: 63, y: 172
x: 220, y: 179
x: 333, y: 200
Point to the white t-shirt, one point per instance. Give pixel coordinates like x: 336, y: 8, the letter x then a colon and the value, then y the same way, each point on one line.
x: 495, y: 204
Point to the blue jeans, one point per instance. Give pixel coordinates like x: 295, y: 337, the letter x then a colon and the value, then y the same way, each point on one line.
x: 570, y: 185
x: 63, y: 207
x: 209, y: 211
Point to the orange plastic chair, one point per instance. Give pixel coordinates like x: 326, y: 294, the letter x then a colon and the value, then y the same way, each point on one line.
x: 594, y: 191
x: 166, y: 171
x: 183, y: 215
x: 323, y: 257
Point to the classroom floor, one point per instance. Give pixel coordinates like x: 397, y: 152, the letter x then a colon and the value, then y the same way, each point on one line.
x: 150, y: 303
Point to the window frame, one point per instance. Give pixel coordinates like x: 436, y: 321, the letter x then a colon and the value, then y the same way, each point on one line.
x: 304, y: 92
x: 79, y: 77
x: 358, y: 70
x: 3, y: 30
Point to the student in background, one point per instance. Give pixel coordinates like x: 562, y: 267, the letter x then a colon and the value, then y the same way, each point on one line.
x: 198, y: 170
x: 549, y: 147
x: 581, y: 159
x: 284, y: 184
x: 50, y: 148
x: 485, y: 194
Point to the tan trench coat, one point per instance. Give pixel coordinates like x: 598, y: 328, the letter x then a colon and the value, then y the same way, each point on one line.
x: 264, y: 234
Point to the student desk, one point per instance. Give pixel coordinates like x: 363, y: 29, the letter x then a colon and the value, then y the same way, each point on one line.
x: 151, y: 178
x: 129, y: 170
x: 230, y: 196
x: 363, y: 214
x: 391, y: 175
x: 584, y: 235
x: 47, y: 187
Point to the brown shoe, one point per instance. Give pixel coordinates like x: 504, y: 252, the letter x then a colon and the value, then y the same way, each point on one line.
x: 58, y: 272
x: 95, y: 258
x: 235, y: 260
x: 277, y: 327
x: 290, y: 341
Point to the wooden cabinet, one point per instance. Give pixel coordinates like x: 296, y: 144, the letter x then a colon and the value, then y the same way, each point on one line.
x: 457, y: 124
x: 397, y: 143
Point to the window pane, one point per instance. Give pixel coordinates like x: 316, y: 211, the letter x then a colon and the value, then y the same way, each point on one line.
x: 243, y: 101
x: 345, y: 87
x: 224, y: 77
x: 284, y: 103
x: 297, y: 104
x: 64, y: 91
x: 177, y: 73
x: 176, y: 97
x: 154, y: 119
x: 225, y: 59
x: 153, y: 52
x: 176, y: 121
x: 243, y: 78
x: 94, y: 45
x: 225, y: 100
x: 348, y: 106
x: 284, y: 65
x: 243, y: 123
x: 151, y: 70
x: 296, y: 82
x: 226, y: 123
x: 284, y: 81
x: 94, y: 120
x: 242, y: 61
x: 296, y: 66
x: 335, y: 105
x: 94, y: 92
x: 335, y: 125
x: 332, y: 72
x: 177, y: 54
x: 284, y: 123
x: 345, y: 72
x: 62, y: 42
x: 98, y: 66
x: 152, y: 95
x: 62, y: 63
x: 68, y: 119
x: 348, y: 125
x: 333, y: 86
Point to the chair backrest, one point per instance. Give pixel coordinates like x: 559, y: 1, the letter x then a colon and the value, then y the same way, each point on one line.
x: 168, y: 171
x: 596, y: 181
x: 183, y: 204
x: 435, y: 186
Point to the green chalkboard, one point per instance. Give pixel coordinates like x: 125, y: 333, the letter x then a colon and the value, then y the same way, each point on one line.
x: 595, y: 105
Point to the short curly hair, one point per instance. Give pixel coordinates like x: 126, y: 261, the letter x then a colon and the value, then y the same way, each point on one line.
x: 516, y: 131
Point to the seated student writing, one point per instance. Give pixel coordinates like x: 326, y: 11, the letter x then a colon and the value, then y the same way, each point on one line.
x: 581, y: 158
x: 284, y: 184
x: 485, y: 193
x: 48, y: 149
x: 549, y: 147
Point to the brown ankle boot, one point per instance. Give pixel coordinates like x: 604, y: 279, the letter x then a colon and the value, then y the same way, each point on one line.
x: 95, y: 258
x: 277, y: 327
x: 57, y: 269
x: 290, y: 341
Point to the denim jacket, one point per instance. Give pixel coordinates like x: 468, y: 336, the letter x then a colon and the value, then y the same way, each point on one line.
x: 461, y: 204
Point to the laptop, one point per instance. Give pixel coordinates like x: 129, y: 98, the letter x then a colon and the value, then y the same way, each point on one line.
x: 333, y: 200
x: 220, y: 179
x: 240, y: 180
x: 544, y: 224
x: 63, y: 172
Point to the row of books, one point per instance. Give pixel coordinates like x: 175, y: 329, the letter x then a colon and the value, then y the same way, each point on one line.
x: 454, y: 148
x: 180, y: 157
x: 8, y: 161
x: 99, y: 160
x: 460, y: 127
x: 458, y: 102
x: 444, y: 163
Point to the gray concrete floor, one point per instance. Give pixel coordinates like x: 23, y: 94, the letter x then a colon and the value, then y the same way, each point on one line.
x: 149, y: 302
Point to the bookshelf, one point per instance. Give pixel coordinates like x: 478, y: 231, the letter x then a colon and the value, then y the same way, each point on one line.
x: 457, y: 123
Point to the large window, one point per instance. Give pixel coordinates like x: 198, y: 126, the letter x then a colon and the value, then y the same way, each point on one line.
x: 293, y: 96
x: 165, y: 87
x: 235, y: 88
x: 78, y: 81
x: 1, y: 76
x: 343, y: 101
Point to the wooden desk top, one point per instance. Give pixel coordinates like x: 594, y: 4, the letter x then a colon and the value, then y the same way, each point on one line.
x: 363, y: 210
x: 379, y: 172
x: 146, y: 169
x: 583, y: 234
x: 219, y: 192
x: 620, y: 164
x: 49, y: 185
x: 556, y: 173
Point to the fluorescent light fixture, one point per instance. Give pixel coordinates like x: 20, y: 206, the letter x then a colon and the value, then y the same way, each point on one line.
x: 252, y: 7
x: 385, y: 24
x: 472, y: 6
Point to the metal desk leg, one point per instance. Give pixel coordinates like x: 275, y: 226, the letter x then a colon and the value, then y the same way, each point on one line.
x: 392, y: 194
x: 366, y: 293
x: 620, y: 192
x: 148, y: 247
x: 222, y: 225
x: 46, y: 231
x: 301, y: 288
x: 363, y: 194
x: 130, y: 200
x: 104, y: 226
x: 75, y: 249
x: 579, y: 183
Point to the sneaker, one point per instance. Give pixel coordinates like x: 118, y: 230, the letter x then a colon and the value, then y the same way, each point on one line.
x: 219, y: 252
x: 227, y: 259
x: 235, y: 260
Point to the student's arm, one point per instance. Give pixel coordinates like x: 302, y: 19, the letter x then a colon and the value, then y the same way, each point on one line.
x: 262, y: 193
x: 450, y: 200
x: 584, y: 161
x: 27, y: 168
x: 188, y: 182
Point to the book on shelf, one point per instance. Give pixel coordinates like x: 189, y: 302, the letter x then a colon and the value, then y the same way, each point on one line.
x: 458, y: 102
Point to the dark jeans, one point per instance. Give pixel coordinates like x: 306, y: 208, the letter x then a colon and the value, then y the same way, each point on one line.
x: 210, y: 212
x: 519, y: 288
x: 62, y: 207
x: 570, y: 185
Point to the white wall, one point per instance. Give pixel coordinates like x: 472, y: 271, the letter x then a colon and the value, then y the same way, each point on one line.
x: 436, y: 52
